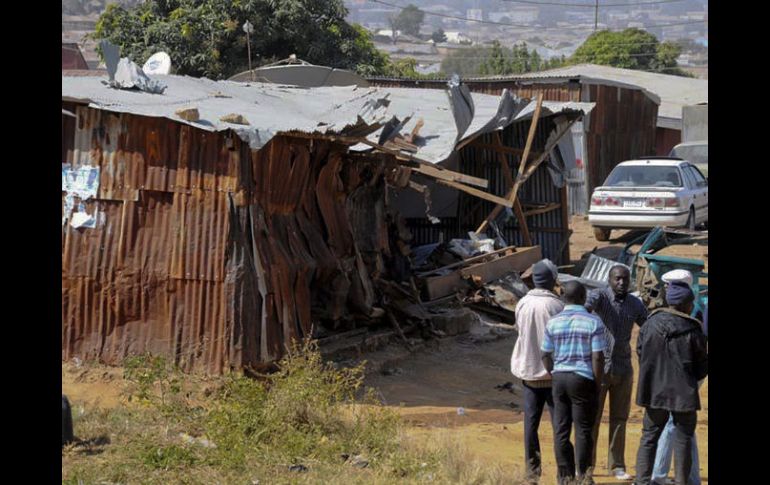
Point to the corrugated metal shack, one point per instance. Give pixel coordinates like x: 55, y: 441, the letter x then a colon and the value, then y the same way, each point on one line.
x: 622, y: 125
x: 216, y: 242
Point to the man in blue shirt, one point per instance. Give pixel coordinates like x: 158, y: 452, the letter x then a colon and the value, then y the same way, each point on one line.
x: 618, y: 310
x: 573, y: 352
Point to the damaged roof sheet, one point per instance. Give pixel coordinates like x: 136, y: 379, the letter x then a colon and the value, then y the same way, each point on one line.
x: 351, y: 111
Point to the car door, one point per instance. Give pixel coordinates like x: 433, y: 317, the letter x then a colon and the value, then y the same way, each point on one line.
x: 702, y: 194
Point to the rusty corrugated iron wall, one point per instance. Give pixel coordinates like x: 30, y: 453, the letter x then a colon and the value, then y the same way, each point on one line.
x: 621, y: 127
x: 207, y: 252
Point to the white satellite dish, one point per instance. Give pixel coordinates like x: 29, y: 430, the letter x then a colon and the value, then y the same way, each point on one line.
x: 158, y: 63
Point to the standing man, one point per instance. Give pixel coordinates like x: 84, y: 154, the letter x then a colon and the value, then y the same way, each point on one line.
x: 672, y: 358
x: 619, y: 310
x: 532, y: 314
x: 573, y: 351
x: 665, y: 442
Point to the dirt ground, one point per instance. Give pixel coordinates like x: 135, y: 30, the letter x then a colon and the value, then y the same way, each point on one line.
x: 447, y: 390
x: 429, y: 387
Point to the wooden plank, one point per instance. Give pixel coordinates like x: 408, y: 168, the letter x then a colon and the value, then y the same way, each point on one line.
x: 426, y: 168
x: 444, y: 174
x: 543, y: 210
x: 522, y: 217
x: 507, y: 175
x: 520, y: 261
x: 418, y: 187
x: 531, y: 134
x: 509, y: 184
x: 478, y: 193
x: 474, y: 259
x: 514, y: 190
x: 533, y: 166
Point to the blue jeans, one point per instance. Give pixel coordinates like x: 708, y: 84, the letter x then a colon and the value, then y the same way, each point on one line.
x: 665, y: 452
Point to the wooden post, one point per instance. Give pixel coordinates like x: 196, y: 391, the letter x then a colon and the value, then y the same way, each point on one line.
x: 508, y: 186
x: 512, y: 195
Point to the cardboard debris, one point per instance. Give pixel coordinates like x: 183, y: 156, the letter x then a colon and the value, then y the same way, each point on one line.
x: 235, y: 119
x: 188, y: 114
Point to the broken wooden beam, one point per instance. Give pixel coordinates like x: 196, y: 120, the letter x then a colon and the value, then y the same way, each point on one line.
x: 542, y: 210
x: 509, y: 185
x: 473, y: 259
x: 522, y: 164
x: 449, y: 175
x: 478, y: 193
x: 518, y: 261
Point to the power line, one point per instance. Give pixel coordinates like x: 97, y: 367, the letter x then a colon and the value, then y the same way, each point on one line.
x: 585, y: 5
x: 504, y: 24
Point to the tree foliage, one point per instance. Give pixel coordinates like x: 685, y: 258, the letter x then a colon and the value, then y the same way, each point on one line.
x: 496, y: 60
x: 205, y: 37
x: 409, y: 20
x: 439, y: 36
x: 630, y: 49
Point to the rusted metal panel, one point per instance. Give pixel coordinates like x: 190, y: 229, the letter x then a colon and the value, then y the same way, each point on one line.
x: 139, y: 153
x: 210, y: 253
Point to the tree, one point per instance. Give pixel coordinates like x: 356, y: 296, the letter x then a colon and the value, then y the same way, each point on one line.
x: 409, y: 20
x: 205, y: 37
x: 438, y: 36
x: 496, y: 60
x: 629, y: 49
x: 496, y: 63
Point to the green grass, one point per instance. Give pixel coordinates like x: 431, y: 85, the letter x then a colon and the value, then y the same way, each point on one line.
x: 241, y: 430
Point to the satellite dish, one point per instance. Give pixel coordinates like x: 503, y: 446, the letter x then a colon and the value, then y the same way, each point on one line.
x: 158, y: 63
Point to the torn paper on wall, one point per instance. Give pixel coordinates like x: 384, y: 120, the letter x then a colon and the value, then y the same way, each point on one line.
x: 81, y: 182
x: 82, y: 219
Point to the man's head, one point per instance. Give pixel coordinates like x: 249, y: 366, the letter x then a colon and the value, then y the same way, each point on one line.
x: 544, y: 274
x: 574, y: 293
x: 620, y: 279
x: 679, y: 296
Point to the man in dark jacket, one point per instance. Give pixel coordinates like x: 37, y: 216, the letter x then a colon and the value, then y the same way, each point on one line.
x: 672, y: 359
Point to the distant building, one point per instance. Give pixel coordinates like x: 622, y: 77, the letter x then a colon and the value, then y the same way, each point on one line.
x: 454, y: 37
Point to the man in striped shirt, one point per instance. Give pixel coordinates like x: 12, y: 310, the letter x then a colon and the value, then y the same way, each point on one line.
x: 618, y: 310
x: 573, y: 352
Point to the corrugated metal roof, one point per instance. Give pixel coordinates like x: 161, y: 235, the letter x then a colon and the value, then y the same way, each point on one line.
x: 348, y: 111
x: 674, y: 91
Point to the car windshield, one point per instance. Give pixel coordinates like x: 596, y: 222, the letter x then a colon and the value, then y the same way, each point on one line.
x: 644, y: 176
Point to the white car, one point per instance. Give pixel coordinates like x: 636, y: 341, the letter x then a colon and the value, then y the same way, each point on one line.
x: 650, y: 192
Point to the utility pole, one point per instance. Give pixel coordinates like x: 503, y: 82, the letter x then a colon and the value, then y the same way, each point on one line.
x: 248, y: 28
x: 596, y: 15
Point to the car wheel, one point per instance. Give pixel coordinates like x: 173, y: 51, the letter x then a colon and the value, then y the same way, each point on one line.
x: 691, y: 220
x: 602, y: 233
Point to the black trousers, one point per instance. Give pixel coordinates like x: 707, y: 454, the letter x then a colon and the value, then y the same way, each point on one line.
x: 652, y: 427
x: 574, y: 400
x: 535, y: 400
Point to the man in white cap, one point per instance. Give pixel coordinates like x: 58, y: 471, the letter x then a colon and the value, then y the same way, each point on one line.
x: 665, y: 450
x: 532, y: 314
x: 672, y: 359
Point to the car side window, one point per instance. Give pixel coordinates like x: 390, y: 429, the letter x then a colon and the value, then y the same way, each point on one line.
x: 699, y: 178
x: 691, y: 183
